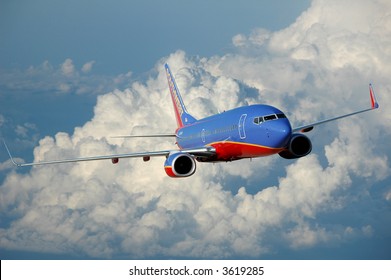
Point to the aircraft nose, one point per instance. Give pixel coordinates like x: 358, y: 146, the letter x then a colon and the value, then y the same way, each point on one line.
x: 281, y: 132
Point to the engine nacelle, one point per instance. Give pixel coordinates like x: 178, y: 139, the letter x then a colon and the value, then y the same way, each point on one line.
x: 299, y: 146
x: 180, y: 165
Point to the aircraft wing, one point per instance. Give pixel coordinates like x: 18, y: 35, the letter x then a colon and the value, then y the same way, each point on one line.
x: 146, y: 136
x: 199, y: 152
x: 309, y: 127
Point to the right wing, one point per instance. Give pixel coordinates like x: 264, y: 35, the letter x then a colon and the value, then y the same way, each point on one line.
x: 199, y: 152
x: 309, y: 127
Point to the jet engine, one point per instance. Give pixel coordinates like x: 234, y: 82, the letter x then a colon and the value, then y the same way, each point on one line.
x: 180, y: 165
x: 298, y: 146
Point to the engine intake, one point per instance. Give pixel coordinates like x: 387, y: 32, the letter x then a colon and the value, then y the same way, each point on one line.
x: 299, y: 146
x: 180, y: 165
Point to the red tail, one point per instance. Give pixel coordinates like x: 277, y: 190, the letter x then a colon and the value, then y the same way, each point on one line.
x: 183, y: 118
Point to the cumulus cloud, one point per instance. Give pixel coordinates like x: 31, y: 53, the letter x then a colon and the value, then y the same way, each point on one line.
x: 239, y: 40
x: 315, y: 68
x: 303, y: 236
x: 63, y: 79
x: 67, y: 67
x: 87, y: 67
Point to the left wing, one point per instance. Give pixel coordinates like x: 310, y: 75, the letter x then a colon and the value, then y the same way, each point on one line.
x: 309, y: 127
x: 146, y: 136
x: 199, y: 152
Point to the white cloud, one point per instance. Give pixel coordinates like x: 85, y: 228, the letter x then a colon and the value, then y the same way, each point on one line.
x: 239, y: 40
x: 67, y: 68
x: 303, y: 236
x: 317, y: 67
x: 87, y: 67
x: 64, y: 79
x: 64, y: 87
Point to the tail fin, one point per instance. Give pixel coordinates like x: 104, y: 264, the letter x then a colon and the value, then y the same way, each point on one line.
x: 183, y: 118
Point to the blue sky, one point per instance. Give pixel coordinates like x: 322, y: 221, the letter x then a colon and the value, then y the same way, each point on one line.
x: 125, y: 35
x: 119, y: 37
x: 72, y: 74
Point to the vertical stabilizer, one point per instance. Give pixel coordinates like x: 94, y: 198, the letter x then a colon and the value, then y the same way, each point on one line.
x: 183, y: 118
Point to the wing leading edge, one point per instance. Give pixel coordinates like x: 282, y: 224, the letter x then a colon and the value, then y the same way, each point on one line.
x: 309, y: 127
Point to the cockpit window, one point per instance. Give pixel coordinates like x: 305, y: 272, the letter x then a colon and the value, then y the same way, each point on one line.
x: 270, y: 117
x: 259, y: 120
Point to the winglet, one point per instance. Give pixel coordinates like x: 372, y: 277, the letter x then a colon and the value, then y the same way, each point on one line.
x: 9, y: 154
x: 374, y: 103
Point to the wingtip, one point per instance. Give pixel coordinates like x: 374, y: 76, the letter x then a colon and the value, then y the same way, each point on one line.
x: 374, y: 103
x: 10, y: 155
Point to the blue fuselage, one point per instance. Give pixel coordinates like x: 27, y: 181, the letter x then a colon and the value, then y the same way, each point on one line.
x: 249, y: 131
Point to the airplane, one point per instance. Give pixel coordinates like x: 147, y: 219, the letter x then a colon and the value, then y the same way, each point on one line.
x: 241, y: 133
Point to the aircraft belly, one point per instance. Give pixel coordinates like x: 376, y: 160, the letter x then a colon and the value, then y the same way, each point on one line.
x: 227, y: 150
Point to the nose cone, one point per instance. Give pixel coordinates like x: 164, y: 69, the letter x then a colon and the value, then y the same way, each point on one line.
x: 280, y: 132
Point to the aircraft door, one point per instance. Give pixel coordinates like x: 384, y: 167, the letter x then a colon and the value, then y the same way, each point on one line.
x: 242, y: 132
x: 203, y: 135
